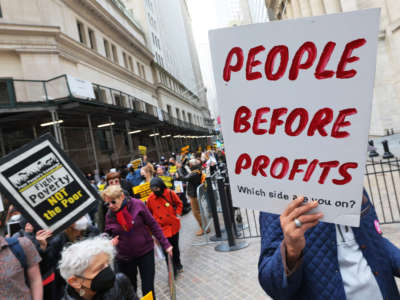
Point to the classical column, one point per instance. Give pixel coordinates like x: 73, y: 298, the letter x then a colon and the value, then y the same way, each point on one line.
x: 333, y: 6
x: 296, y: 9
x: 317, y: 7
x: 305, y: 8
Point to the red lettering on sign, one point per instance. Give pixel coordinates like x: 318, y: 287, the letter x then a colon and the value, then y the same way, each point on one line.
x: 320, y: 72
x: 340, y: 122
x: 258, y: 119
x: 260, y: 164
x: 321, y: 118
x: 252, y: 62
x: 238, y: 52
x: 311, y: 50
x: 283, y: 51
x: 242, y: 116
x: 347, y: 58
x: 343, y: 171
x: 243, y: 162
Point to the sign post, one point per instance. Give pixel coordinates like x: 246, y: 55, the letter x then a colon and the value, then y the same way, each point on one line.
x: 295, y: 99
x: 45, y: 186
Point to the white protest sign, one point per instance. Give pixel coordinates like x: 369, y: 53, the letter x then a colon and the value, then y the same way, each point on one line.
x: 295, y: 101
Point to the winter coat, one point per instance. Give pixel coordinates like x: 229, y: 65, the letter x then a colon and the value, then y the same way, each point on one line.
x: 165, y: 210
x: 138, y: 241
x: 122, y: 290
x: 193, y: 180
x: 318, y: 276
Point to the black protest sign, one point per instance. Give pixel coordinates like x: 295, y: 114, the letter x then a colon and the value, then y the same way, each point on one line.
x: 45, y: 186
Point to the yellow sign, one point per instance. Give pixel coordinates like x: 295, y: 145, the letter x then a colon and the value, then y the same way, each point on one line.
x: 172, y: 170
x: 200, y: 149
x: 185, y: 149
x: 142, y: 190
x: 142, y: 150
x: 149, y: 296
x: 136, y: 163
x: 167, y: 180
x: 208, y: 147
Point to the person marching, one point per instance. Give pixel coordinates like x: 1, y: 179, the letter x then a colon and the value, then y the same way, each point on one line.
x: 165, y: 206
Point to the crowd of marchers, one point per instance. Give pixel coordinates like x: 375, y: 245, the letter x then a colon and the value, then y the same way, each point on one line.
x: 100, y: 254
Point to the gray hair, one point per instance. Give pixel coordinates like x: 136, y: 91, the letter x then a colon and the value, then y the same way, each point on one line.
x: 76, y: 258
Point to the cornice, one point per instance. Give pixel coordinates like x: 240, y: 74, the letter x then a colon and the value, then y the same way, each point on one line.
x: 161, y: 87
x: 99, y: 12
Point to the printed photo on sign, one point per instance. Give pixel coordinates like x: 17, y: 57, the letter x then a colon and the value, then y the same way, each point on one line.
x: 295, y: 100
x: 45, y: 185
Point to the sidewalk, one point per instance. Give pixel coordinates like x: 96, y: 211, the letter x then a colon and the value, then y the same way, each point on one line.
x: 211, y: 275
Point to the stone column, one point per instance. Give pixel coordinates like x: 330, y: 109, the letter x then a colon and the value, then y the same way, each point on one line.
x: 305, y: 8
x: 317, y: 7
x: 296, y: 9
x: 289, y: 10
x: 332, y: 6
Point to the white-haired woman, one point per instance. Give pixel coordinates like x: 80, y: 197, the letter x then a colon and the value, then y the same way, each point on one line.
x: 86, y: 267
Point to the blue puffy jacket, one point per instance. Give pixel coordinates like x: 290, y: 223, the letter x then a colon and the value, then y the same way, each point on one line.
x: 318, y: 277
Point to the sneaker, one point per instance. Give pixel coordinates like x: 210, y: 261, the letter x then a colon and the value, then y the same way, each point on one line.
x: 179, y: 269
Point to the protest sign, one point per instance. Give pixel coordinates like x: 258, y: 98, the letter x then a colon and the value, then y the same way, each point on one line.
x: 143, y: 191
x: 208, y: 147
x: 295, y: 100
x: 167, y: 180
x: 172, y: 170
x: 142, y: 150
x: 185, y: 149
x: 178, y: 187
x: 149, y: 296
x: 136, y: 163
x: 45, y: 186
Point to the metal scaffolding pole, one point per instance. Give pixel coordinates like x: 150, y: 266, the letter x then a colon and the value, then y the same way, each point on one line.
x: 56, y: 128
x: 93, y: 144
x: 130, y: 143
x: 113, y: 142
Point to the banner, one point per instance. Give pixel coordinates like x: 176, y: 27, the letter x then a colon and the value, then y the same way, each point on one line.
x: 143, y: 191
x: 142, y: 150
x: 80, y: 88
x: 295, y: 99
x: 136, y: 163
x: 45, y: 186
x: 167, y: 180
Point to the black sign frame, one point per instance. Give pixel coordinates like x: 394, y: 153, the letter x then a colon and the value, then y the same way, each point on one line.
x: 47, y: 143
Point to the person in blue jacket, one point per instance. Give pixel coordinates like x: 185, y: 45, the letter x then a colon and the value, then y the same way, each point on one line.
x: 134, y: 177
x: 302, y: 258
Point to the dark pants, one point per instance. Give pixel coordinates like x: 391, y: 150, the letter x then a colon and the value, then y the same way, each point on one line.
x: 146, y: 267
x: 176, y: 255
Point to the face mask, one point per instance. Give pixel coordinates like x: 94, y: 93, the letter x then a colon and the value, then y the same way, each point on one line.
x: 103, y: 281
x: 158, y: 193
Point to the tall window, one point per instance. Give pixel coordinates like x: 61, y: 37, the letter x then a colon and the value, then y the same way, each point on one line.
x: 114, y: 53
x: 139, y: 69
x: 81, y: 32
x: 92, y: 39
x: 143, y: 71
x: 125, y: 59
x: 169, y: 109
x: 178, y: 115
x: 183, y: 115
x: 107, y: 49
x: 130, y: 63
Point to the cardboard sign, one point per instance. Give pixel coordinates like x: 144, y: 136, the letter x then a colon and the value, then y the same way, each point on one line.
x: 172, y: 170
x: 142, y: 190
x: 136, y: 163
x: 142, y: 150
x: 45, y: 186
x: 178, y: 187
x: 295, y: 100
x: 167, y: 180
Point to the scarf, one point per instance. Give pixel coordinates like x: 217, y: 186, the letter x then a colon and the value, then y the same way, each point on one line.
x: 124, y: 218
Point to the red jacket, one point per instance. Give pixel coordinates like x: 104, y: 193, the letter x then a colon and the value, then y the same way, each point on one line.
x: 162, y: 209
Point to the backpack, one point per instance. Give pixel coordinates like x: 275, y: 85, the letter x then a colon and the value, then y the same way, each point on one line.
x: 19, y: 253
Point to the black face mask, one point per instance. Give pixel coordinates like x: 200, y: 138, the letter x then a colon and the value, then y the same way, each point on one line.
x: 159, y: 193
x: 103, y: 281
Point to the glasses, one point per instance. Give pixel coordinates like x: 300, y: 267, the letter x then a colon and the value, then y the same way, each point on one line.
x: 113, y: 202
x: 113, y: 181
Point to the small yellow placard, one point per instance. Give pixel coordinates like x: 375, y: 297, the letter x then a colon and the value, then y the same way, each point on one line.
x: 149, y: 296
x: 142, y: 190
x: 167, y: 180
x: 136, y: 163
x: 172, y: 170
x: 142, y: 150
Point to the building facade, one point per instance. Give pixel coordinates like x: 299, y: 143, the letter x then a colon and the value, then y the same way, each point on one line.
x: 47, y: 46
x: 386, y: 102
